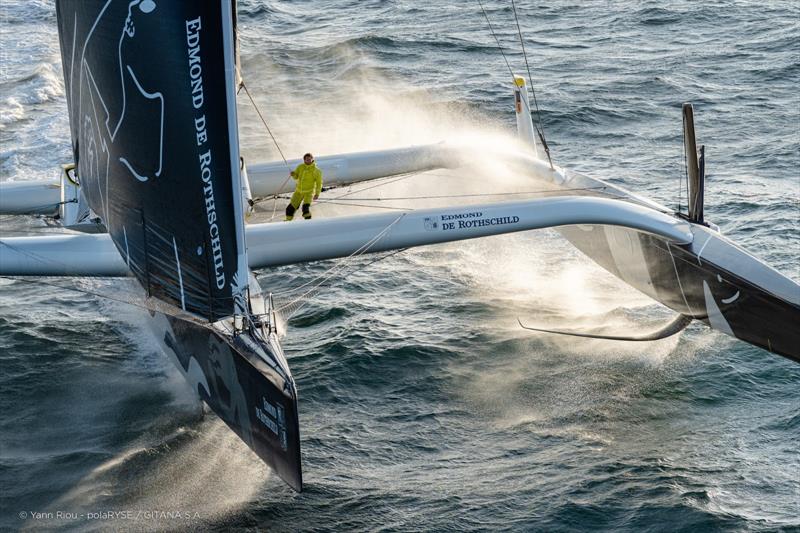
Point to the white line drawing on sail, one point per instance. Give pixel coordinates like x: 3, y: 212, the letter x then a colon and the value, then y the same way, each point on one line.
x: 129, y: 30
x: 149, y: 96
x: 72, y: 60
x: 180, y: 275
x: 731, y: 299
x: 83, y: 52
x: 103, y: 146
x: 127, y: 250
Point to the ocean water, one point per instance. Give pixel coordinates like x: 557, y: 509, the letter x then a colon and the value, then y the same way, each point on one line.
x: 423, y: 405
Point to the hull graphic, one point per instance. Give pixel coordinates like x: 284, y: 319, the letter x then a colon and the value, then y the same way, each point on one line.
x: 245, y: 381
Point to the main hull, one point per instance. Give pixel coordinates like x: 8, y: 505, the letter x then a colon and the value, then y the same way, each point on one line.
x: 245, y: 381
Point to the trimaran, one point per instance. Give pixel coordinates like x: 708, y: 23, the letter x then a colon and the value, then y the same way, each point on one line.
x: 158, y: 191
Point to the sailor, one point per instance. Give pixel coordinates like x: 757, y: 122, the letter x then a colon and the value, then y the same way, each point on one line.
x: 309, y: 185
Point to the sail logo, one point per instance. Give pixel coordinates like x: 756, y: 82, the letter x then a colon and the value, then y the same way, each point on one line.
x: 458, y: 216
x: 193, y: 28
x: 431, y: 224
x: 479, y: 222
x: 195, y: 66
x: 211, y: 216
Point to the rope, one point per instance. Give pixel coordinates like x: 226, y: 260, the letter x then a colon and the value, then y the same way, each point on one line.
x: 295, y: 307
x: 296, y: 304
x: 391, y: 179
x: 431, y: 197
x: 357, y: 252
x: 332, y: 202
x: 32, y: 255
x: 263, y: 121
x: 533, y: 91
x: 40, y: 281
x: 511, y: 72
x: 54, y: 205
x: 299, y: 302
x: 48, y: 260
x: 351, y: 201
x: 274, y: 140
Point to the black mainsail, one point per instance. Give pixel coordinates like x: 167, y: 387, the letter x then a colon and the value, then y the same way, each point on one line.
x: 151, y: 94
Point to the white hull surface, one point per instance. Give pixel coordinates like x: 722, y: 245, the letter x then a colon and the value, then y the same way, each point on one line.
x: 264, y: 179
x: 277, y: 244
x: 267, y: 179
x: 30, y: 198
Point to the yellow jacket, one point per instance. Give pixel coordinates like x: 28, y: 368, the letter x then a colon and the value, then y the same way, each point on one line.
x: 309, y: 179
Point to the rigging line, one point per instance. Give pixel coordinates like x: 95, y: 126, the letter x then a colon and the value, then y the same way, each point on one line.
x: 496, y: 39
x: 342, y: 264
x: 392, y: 179
x: 42, y: 206
x: 48, y: 260
x: 41, y: 230
x: 396, y: 179
x: 274, y: 140
x: 530, y: 79
x: 263, y: 121
x: 601, y: 190
x: 542, y: 191
x: 332, y: 202
x: 401, y: 177
x: 293, y: 307
x: 33, y: 255
x: 39, y: 281
x: 361, y: 267
x: 338, y: 266
x: 381, y: 258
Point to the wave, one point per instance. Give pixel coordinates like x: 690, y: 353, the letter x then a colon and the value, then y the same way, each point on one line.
x: 28, y: 90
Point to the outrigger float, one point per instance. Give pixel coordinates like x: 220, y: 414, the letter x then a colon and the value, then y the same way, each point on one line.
x: 158, y: 192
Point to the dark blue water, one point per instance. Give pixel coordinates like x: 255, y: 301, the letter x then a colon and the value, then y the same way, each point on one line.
x: 423, y: 405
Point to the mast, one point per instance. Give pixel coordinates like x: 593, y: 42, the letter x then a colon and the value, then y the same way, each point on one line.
x: 240, y: 188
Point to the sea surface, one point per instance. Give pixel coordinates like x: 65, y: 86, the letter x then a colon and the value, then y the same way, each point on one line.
x: 423, y: 405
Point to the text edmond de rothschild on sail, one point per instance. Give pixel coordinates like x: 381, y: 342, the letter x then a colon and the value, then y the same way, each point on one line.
x: 193, y: 28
